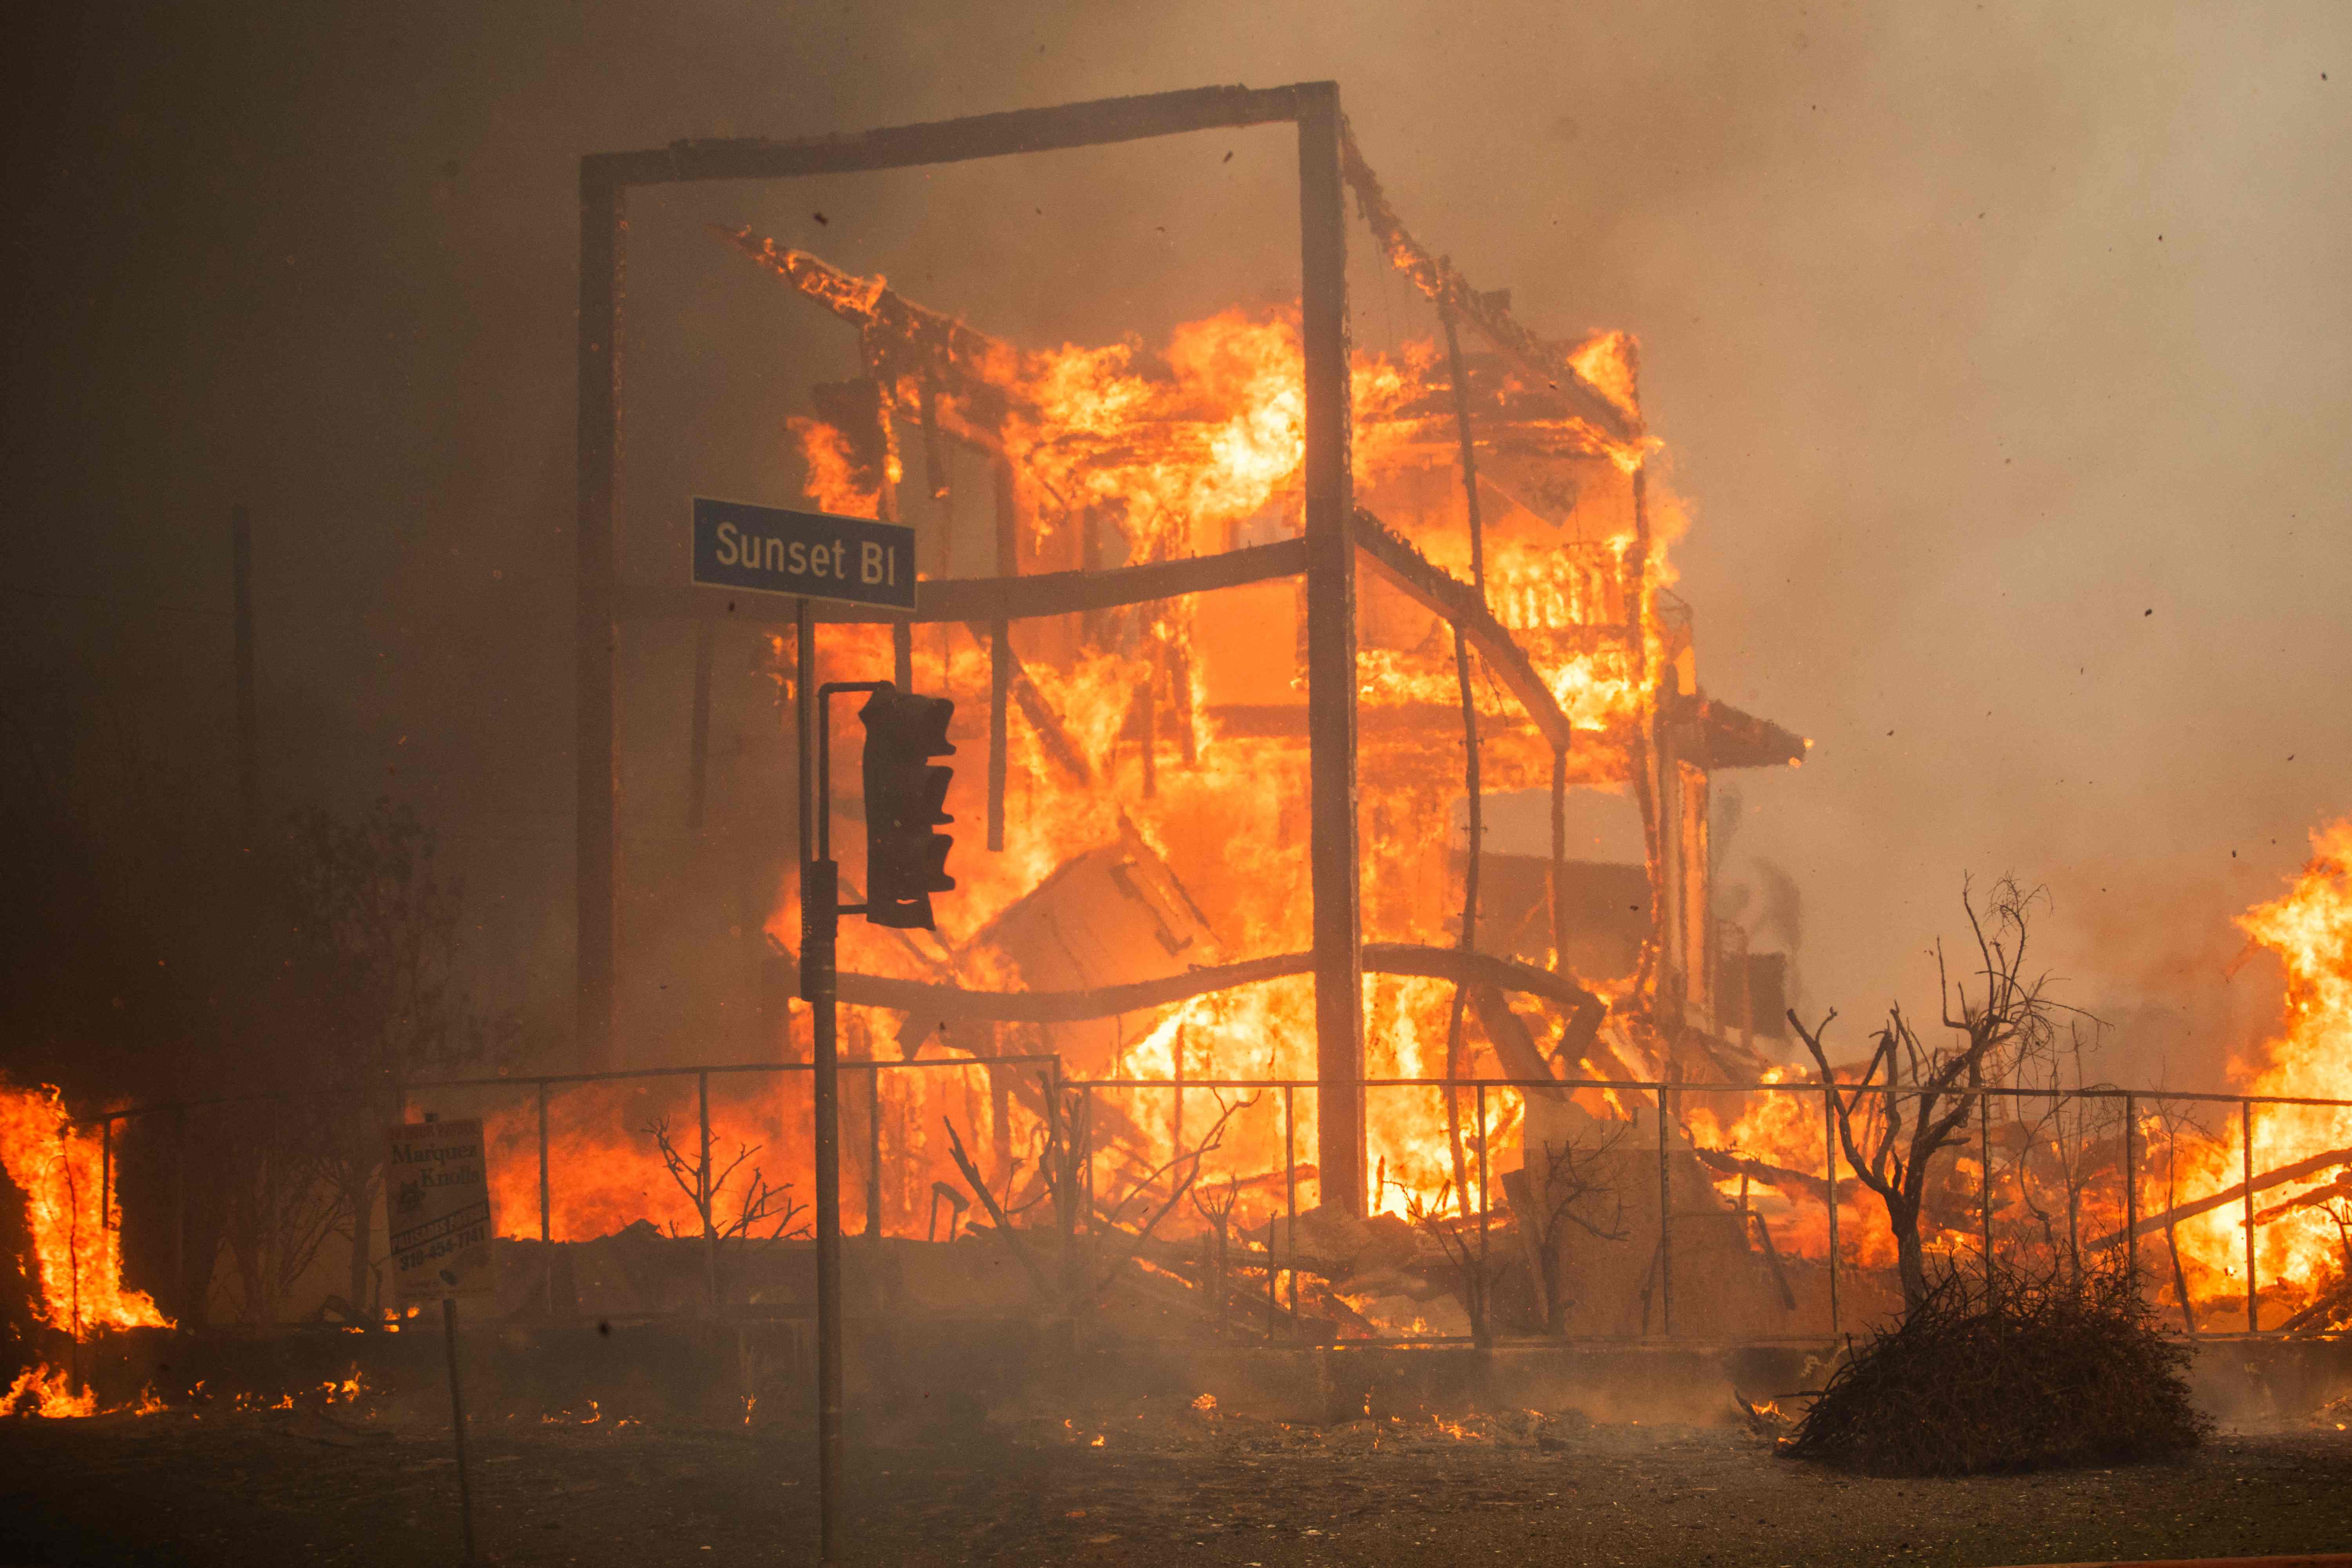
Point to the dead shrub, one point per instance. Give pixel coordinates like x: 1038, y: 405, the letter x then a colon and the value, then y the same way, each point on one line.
x: 2023, y: 1374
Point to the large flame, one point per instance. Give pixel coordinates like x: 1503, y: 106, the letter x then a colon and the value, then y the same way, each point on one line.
x: 1125, y: 454
x: 2300, y: 1247
x: 74, y: 1219
x: 39, y: 1391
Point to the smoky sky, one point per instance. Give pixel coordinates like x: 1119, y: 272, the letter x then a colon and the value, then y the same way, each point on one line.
x: 1999, y: 352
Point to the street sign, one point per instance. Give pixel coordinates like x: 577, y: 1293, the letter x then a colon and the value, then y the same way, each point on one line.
x: 814, y: 554
x: 437, y: 1204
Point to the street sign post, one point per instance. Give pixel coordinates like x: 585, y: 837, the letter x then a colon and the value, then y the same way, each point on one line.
x: 438, y: 1208
x: 811, y: 554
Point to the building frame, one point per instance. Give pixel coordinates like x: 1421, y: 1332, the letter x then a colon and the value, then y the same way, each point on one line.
x: 1329, y: 556
x: 1679, y: 729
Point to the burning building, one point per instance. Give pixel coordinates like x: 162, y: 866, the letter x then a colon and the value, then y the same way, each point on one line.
x: 1254, y: 633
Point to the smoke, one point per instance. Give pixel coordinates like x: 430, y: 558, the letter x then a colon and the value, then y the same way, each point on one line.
x: 1780, y: 907
x: 1998, y: 351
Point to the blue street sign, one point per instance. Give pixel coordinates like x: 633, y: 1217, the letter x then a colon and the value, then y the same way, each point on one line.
x: 811, y: 553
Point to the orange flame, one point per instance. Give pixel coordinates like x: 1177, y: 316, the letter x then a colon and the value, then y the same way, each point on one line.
x: 2300, y: 1248
x: 831, y: 469
x: 74, y: 1221
x: 37, y: 1391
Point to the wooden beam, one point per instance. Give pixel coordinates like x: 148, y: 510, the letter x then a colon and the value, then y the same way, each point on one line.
x: 1717, y: 735
x: 984, y: 599
x: 1335, y: 872
x: 2301, y: 1169
x: 1000, y: 688
x: 1058, y: 744
x: 899, y: 336
x: 1443, y: 593
x: 951, y: 1004
x: 1474, y: 968
x: 1437, y: 277
x: 1000, y: 645
x: 1095, y: 124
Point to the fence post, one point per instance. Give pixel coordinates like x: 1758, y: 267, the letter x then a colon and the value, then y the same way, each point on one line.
x: 546, y: 1229
x: 1176, y: 1134
x: 706, y: 1199
x: 1984, y: 1183
x: 1665, y: 1222
x: 874, y: 1147
x: 1270, y: 1271
x: 191, y: 1299
x: 270, y: 1254
x: 1000, y: 1117
x: 2131, y: 1193
x: 2246, y: 1123
x: 1829, y: 1167
x: 1087, y: 1121
x: 1481, y: 1107
x: 1290, y: 1198
x: 1484, y: 1307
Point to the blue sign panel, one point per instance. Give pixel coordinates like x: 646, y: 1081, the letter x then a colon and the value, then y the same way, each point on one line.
x: 814, y: 554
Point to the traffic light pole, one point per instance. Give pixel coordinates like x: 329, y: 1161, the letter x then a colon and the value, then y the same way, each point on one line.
x: 820, y: 924
x: 821, y: 912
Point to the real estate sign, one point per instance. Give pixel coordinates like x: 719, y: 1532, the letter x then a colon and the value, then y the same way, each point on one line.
x: 438, y: 1201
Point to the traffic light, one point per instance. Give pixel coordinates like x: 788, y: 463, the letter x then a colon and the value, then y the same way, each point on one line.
x: 906, y: 862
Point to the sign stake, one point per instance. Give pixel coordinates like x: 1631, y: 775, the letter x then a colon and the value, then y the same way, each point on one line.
x: 457, y: 1423
x: 438, y: 1203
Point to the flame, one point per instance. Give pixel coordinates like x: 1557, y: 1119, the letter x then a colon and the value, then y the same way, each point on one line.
x: 1606, y: 361
x: 2299, y: 1247
x: 833, y: 477
x: 37, y: 1391
x: 76, y: 1223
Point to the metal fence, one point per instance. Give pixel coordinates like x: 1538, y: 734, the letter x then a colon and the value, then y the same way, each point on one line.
x: 1487, y: 1106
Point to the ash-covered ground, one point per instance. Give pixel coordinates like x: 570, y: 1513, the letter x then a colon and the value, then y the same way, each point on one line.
x: 1157, y: 1482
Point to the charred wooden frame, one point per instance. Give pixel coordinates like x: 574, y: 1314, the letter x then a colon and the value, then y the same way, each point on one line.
x: 1677, y: 730
x: 1327, y: 549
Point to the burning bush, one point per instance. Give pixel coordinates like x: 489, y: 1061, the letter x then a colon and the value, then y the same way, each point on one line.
x: 2013, y: 1375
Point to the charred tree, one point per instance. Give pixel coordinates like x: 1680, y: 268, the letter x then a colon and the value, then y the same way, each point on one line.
x: 2007, y: 1020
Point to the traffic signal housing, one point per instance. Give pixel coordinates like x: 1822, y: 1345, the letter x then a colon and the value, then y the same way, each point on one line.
x: 905, y: 862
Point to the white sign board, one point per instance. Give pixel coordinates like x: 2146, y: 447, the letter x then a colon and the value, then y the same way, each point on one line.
x: 437, y: 1200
